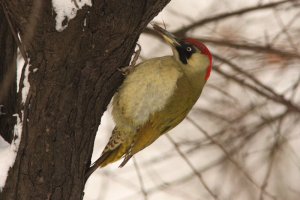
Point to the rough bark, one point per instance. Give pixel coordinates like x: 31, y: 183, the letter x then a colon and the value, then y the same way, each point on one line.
x: 73, y: 75
x: 8, y: 94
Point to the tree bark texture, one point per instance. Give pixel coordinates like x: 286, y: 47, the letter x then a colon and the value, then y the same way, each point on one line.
x: 73, y: 76
x: 8, y: 94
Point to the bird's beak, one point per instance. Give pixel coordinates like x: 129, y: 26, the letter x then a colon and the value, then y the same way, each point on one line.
x: 168, y: 37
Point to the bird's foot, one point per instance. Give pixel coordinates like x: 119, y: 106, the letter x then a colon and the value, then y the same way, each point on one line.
x: 126, y: 70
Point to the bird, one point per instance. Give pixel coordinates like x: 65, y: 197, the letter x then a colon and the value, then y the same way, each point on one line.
x: 156, y: 96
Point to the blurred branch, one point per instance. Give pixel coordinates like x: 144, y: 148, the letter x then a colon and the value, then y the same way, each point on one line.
x: 220, y: 90
x: 122, y: 181
x: 240, y: 45
x: 181, y: 32
x: 270, y: 161
x: 251, y: 47
x: 139, y: 174
x: 246, y: 113
x: 294, y: 88
x: 228, y: 156
x: 270, y: 95
x: 284, y: 29
x: 192, y: 168
x: 248, y: 75
x: 231, y: 152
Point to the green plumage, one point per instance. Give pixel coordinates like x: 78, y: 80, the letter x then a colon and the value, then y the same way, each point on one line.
x: 156, y: 96
x: 128, y: 139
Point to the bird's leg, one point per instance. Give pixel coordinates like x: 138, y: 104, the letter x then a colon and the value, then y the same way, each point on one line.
x: 126, y: 70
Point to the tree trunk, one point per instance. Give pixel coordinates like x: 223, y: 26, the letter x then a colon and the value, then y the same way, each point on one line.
x: 73, y: 75
x: 8, y: 90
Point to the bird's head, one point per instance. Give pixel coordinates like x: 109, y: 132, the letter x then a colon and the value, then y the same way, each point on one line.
x: 192, y: 54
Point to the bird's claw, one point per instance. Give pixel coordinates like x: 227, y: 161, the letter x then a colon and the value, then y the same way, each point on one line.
x: 126, y: 70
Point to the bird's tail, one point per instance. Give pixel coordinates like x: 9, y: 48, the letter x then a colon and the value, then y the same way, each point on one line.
x: 117, y: 146
x: 108, y: 157
x: 112, y: 155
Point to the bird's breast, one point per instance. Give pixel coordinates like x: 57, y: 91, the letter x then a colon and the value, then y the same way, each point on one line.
x: 145, y: 91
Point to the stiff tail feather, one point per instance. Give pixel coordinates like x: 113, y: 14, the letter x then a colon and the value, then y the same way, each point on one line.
x: 126, y: 159
x: 98, y: 163
x: 108, y: 157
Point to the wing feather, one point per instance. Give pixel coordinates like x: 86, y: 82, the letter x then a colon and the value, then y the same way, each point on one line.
x: 174, y: 112
x: 145, y: 91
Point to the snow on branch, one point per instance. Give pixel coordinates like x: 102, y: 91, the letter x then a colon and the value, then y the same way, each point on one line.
x: 67, y: 10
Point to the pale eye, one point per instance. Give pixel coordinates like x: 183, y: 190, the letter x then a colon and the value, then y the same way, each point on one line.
x: 189, y: 49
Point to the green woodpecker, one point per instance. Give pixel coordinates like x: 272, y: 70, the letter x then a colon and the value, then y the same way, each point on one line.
x: 156, y: 96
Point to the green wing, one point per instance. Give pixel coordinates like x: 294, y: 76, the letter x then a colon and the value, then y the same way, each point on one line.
x: 185, y: 96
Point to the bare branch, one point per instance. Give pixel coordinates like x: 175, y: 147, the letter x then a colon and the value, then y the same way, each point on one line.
x: 192, y: 168
x: 273, y: 96
x: 140, y: 177
x: 251, y: 47
x: 230, y: 158
x: 181, y: 32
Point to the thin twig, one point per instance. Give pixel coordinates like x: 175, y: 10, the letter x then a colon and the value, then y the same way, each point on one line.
x: 286, y: 32
x: 141, y: 181
x: 230, y: 158
x: 274, y: 96
x: 251, y: 47
x: 181, y: 32
x: 285, y: 28
x: 269, y: 169
x: 240, y: 45
x: 198, y: 174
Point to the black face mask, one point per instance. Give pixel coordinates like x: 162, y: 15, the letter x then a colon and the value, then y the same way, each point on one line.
x: 185, y: 51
